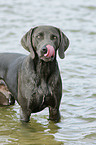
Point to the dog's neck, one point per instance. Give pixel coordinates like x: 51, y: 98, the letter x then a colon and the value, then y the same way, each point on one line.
x: 43, y: 69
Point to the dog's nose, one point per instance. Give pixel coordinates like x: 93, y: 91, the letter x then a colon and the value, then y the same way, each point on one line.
x: 44, y: 49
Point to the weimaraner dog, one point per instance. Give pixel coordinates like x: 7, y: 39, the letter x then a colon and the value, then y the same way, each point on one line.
x: 34, y: 80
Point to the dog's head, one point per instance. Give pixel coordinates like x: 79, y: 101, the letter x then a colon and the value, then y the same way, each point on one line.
x: 45, y: 41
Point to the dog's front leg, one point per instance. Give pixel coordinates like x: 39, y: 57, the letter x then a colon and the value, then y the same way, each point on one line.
x: 54, y: 114
x: 24, y: 115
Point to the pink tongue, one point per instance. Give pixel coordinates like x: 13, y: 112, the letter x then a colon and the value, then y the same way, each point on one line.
x: 50, y: 51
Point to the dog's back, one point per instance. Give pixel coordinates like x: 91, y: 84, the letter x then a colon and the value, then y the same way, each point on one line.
x: 9, y: 64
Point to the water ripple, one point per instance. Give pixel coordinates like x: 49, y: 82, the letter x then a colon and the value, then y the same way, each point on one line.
x: 78, y: 71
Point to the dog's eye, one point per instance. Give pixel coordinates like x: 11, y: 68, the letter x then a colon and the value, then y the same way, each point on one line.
x: 40, y: 36
x: 53, y: 37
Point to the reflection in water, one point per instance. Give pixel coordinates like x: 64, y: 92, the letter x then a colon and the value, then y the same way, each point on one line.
x: 78, y: 71
x: 13, y: 131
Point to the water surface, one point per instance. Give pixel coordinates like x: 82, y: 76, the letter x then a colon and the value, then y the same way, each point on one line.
x: 78, y: 70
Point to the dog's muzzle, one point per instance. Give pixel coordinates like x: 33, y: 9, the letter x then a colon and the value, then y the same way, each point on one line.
x: 48, y: 51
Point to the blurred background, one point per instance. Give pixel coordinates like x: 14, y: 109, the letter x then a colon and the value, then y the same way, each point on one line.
x: 77, y: 19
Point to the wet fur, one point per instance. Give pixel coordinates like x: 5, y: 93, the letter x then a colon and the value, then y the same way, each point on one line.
x: 34, y: 82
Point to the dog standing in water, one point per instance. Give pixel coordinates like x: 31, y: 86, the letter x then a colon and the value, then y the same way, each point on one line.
x: 34, y: 80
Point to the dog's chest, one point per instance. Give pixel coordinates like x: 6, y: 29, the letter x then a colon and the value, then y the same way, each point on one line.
x: 41, y: 93
x: 39, y: 90
x: 42, y: 88
x: 41, y: 96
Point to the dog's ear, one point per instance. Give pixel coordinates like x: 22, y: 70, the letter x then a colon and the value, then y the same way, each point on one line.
x: 64, y: 43
x: 26, y: 42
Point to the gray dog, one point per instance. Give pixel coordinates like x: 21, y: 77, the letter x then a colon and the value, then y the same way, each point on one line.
x: 34, y: 80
